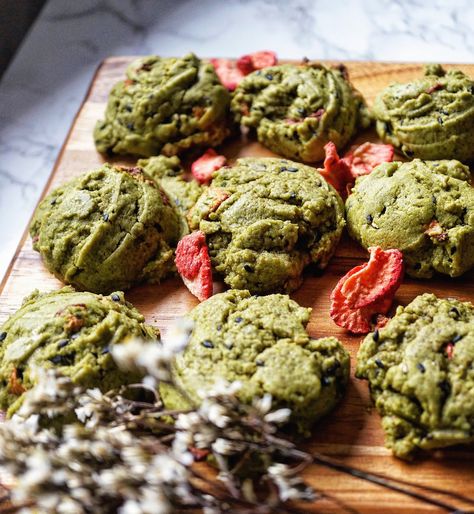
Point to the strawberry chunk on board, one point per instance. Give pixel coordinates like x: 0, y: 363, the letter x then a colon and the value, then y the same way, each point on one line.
x: 364, y: 158
x: 336, y: 171
x: 231, y: 72
x: 360, y: 160
x: 203, y: 168
x: 367, y: 290
x: 194, y: 265
x: 256, y: 61
x: 228, y: 73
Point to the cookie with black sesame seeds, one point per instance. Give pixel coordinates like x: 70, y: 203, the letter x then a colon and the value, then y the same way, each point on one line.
x: 420, y: 367
x: 69, y: 331
x: 165, y: 105
x: 262, y: 342
x: 296, y: 109
x: 265, y: 220
x: 425, y: 209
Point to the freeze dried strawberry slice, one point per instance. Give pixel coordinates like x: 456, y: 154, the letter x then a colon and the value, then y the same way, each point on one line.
x: 203, y: 168
x: 356, y: 320
x: 360, y: 160
x: 245, y: 65
x: 367, y: 290
x: 228, y: 73
x: 194, y: 265
x: 364, y: 158
x: 336, y: 171
x: 380, y: 277
x: 256, y: 61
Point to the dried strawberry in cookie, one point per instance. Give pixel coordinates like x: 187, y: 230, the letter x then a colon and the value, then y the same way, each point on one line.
x: 194, y: 265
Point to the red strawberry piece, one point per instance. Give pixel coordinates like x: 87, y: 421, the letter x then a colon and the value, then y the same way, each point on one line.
x: 336, y: 171
x: 380, y: 277
x: 434, y: 87
x: 367, y: 290
x: 245, y: 65
x: 356, y: 320
x: 228, y: 73
x: 263, y: 59
x: 203, y: 168
x: 194, y: 265
x: 364, y: 158
x: 449, y: 350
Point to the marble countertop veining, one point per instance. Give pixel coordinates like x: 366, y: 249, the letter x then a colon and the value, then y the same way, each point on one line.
x: 47, y: 80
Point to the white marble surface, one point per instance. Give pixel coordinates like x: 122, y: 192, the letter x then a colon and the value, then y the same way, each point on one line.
x: 44, y: 85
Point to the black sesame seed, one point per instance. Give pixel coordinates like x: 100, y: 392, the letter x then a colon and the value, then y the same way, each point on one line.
x: 57, y: 359
x: 105, y: 217
x: 130, y: 126
x: 332, y: 369
x: 238, y: 319
x: 248, y: 268
x: 259, y: 362
x: 445, y: 386
x: 115, y: 297
x: 52, y: 202
x: 219, y: 327
x: 409, y: 153
x: 292, y: 169
x: 75, y: 336
x: 293, y: 196
x: 379, y: 364
x: 269, y: 76
x: 375, y: 335
x: 440, y: 120
x: 456, y: 338
x: 128, y: 108
x: 63, y: 343
x: 301, y: 112
x: 421, y: 367
x: 3, y: 335
x: 208, y: 344
x: 326, y: 381
x: 433, y: 199
x: 105, y: 350
x: 454, y: 311
x: 369, y: 218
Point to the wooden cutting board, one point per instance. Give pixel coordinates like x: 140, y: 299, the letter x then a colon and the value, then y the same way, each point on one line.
x: 352, y: 433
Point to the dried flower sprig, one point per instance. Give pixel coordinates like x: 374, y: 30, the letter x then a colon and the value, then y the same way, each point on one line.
x: 81, y: 451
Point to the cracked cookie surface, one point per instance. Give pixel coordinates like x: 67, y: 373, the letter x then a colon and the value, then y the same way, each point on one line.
x: 420, y: 368
x: 425, y: 209
x: 262, y: 342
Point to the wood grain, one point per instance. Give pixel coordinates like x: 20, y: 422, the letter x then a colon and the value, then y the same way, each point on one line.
x: 353, y: 432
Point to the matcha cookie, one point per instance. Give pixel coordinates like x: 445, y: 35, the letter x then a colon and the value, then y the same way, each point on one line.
x: 297, y: 109
x: 429, y: 118
x: 262, y: 342
x: 168, y: 173
x: 165, y: 105
x: 265, y: 219
x: 107, y: 229
x: 420, y: 368
x: 425, y: 209
x: 70, y: 331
